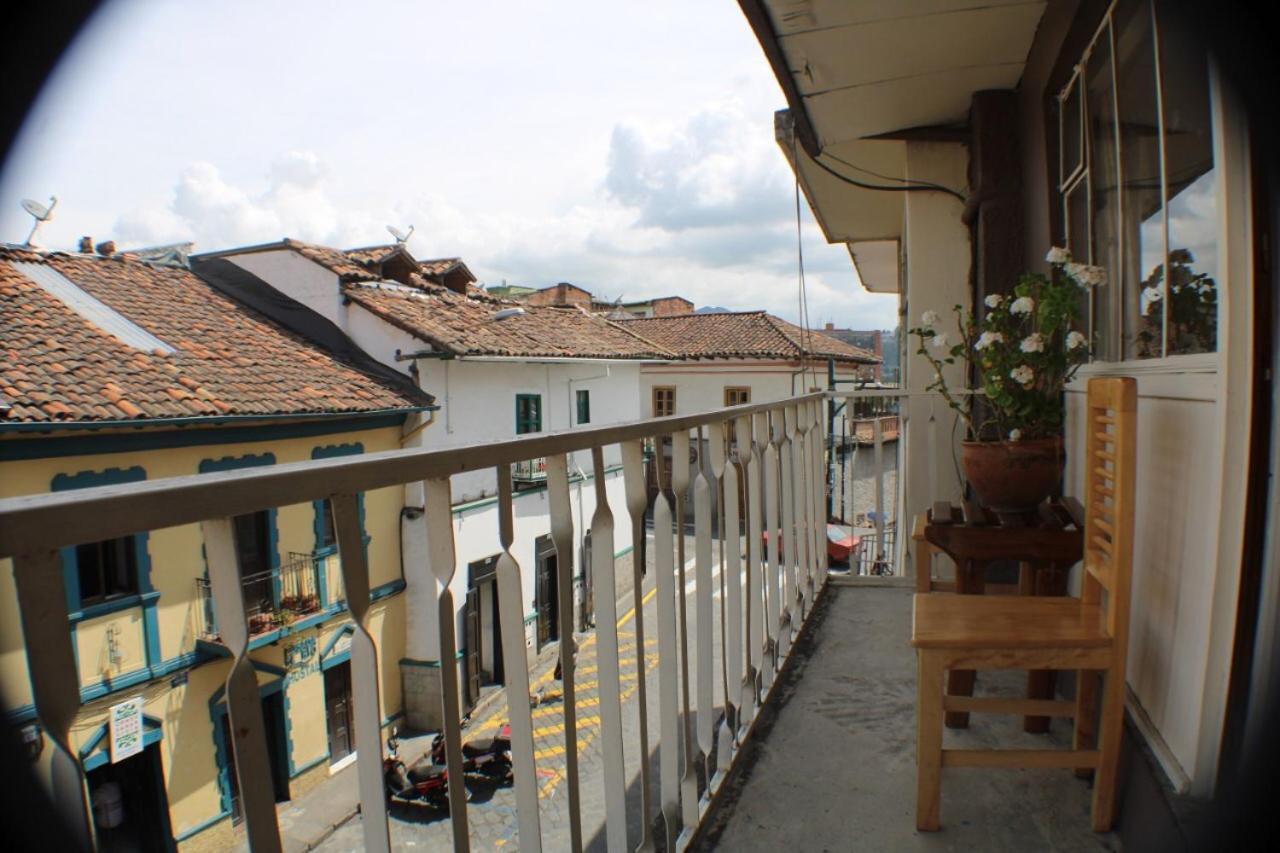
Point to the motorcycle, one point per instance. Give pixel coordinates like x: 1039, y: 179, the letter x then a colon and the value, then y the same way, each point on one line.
x: 426, y: 780
x: 488, y: 756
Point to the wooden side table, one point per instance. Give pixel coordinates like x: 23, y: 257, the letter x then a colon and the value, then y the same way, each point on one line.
x: 1046, y: 545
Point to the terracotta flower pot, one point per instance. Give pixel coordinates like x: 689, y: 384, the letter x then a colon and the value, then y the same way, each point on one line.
x: 1013, y: 476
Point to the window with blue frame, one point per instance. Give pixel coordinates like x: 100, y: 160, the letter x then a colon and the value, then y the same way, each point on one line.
x: 584, y: 407
x: 111, y: 571
x: 326, y: 529
x: 107, y: 570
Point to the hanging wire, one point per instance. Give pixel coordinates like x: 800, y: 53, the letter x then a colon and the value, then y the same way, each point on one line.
x: 806, y: 334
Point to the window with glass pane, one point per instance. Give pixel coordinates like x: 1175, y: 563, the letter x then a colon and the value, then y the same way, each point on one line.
x: 1142, y: 225
x: 528, y: 413
x: 328, y: 533
x: 584, y: 407
x: 107, y: 569
x: 1144, y: 199
x: 1104, y: 194
x: 1190, y: 181
x: 664, y: 401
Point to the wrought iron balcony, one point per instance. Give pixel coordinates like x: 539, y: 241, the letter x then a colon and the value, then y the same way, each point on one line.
x: 272, y: 599
x: 529, y: 471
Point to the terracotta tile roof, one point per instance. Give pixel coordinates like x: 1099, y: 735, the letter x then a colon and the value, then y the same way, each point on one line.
x: 362, y: 264
x: 334, y: 260
x: 465, y: 325
x: 748, y: 334
x: 374, y: 254
x: 57, y: 365
x: 437, y: 266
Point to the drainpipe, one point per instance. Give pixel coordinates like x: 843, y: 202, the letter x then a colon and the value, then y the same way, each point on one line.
x: 831, y: 427
x: 576, y: 468
x: 421, y: 689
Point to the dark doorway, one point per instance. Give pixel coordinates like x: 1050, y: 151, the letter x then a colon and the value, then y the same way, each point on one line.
x: 130, y: 807
x: 546, y: 598
x: 337, y: 711
x: 277, y: 755
x: 482, y: 629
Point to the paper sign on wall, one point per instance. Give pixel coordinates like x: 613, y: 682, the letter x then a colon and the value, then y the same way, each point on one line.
x: 125, y: 729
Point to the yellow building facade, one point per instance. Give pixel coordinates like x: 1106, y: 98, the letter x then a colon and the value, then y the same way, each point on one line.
x: 154, y: 638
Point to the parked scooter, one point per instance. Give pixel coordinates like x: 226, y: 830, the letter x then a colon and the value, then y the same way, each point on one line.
x: 490, y: 756
x: 424, y: 781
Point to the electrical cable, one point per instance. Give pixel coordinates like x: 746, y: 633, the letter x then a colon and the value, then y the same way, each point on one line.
x: 806, y: 351
x: 905, y: 187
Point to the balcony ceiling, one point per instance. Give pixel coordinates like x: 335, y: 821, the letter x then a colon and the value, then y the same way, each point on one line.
x: 874, y: 67
x: 860, y: 76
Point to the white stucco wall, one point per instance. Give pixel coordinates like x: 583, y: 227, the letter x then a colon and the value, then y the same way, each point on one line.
x: 298, y: 278
x: 700, y: 385
x: 937, y: 259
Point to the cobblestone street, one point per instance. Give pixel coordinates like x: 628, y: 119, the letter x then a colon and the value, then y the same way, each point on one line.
x: 491, y: 812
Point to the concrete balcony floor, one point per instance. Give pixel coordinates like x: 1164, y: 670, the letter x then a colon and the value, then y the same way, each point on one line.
x: 833, y: 766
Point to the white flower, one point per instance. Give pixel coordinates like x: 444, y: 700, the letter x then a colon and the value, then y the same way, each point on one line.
x: 929, y: 318
x: 1058, y: 255
x: 1015, y: 435
x: 994, y: 300
x: 940, y: 341
x: 1086, y: 275
x: 1075, y: 340
x: 1094, y: 276
x: 1032, y: 343
x: 986, y: 339
x: 1022, y: 305
x: 1023, y: 375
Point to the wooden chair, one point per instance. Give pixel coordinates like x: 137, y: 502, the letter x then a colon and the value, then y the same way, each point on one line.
x: 1088, y: 634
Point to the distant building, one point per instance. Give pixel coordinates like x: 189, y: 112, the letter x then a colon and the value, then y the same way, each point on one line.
x: 884, y: 343
x: 565, y: 294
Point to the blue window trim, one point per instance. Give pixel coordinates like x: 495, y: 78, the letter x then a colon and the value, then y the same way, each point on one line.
x: 328, y: 660
x: 236, y: 463
x: 96, y: 751
x: 146, y: 597
x: 332, y: 451
x: 190, y: 432
x: 221, y: 749
x: 584, y: 405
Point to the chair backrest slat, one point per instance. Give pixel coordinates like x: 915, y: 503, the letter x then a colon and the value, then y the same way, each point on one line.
x: 1111, y: 463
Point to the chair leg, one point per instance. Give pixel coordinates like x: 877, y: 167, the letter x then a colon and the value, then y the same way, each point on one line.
x: 928, y: 741
x: 1086, y: 725
x: 1111, y: 728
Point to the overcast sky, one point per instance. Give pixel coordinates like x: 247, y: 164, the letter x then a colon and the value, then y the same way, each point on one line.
x: 625, y: 147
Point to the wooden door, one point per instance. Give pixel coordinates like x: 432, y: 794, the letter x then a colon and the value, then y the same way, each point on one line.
x: 546, y: 596
x: 471, y: 641
x: 338, y: 711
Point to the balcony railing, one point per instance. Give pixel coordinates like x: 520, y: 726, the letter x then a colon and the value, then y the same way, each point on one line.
x: 774, y: 476
x: 272, y: 599
x: 528, y: 471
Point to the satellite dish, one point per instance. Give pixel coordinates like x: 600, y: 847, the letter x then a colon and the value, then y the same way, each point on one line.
x: 401, y: 236
x: 40, y: 213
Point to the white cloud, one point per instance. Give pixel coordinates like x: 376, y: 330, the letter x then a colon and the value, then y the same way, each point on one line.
x: 702, y: 209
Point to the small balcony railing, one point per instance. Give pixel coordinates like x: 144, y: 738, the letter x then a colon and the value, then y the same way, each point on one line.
x: 272, y: 599
x: 530, y: 471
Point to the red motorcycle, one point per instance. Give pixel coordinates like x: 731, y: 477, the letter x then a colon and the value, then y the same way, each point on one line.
x: 426, y: 780
x: 488, y: 756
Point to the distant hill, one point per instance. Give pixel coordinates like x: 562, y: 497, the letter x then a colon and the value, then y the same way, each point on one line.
x: 712, y: 309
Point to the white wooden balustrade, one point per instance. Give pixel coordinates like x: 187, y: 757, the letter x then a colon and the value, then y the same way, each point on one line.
x: 759, y: 563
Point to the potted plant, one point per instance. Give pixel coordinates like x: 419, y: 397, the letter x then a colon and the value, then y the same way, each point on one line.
x: 1023, y: 349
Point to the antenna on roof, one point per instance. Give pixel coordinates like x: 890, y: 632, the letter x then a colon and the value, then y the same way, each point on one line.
x: 41, y: 214
x: 402, y: 237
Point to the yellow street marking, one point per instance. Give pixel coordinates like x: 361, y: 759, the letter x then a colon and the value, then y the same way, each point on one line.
x: 583, y: 723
